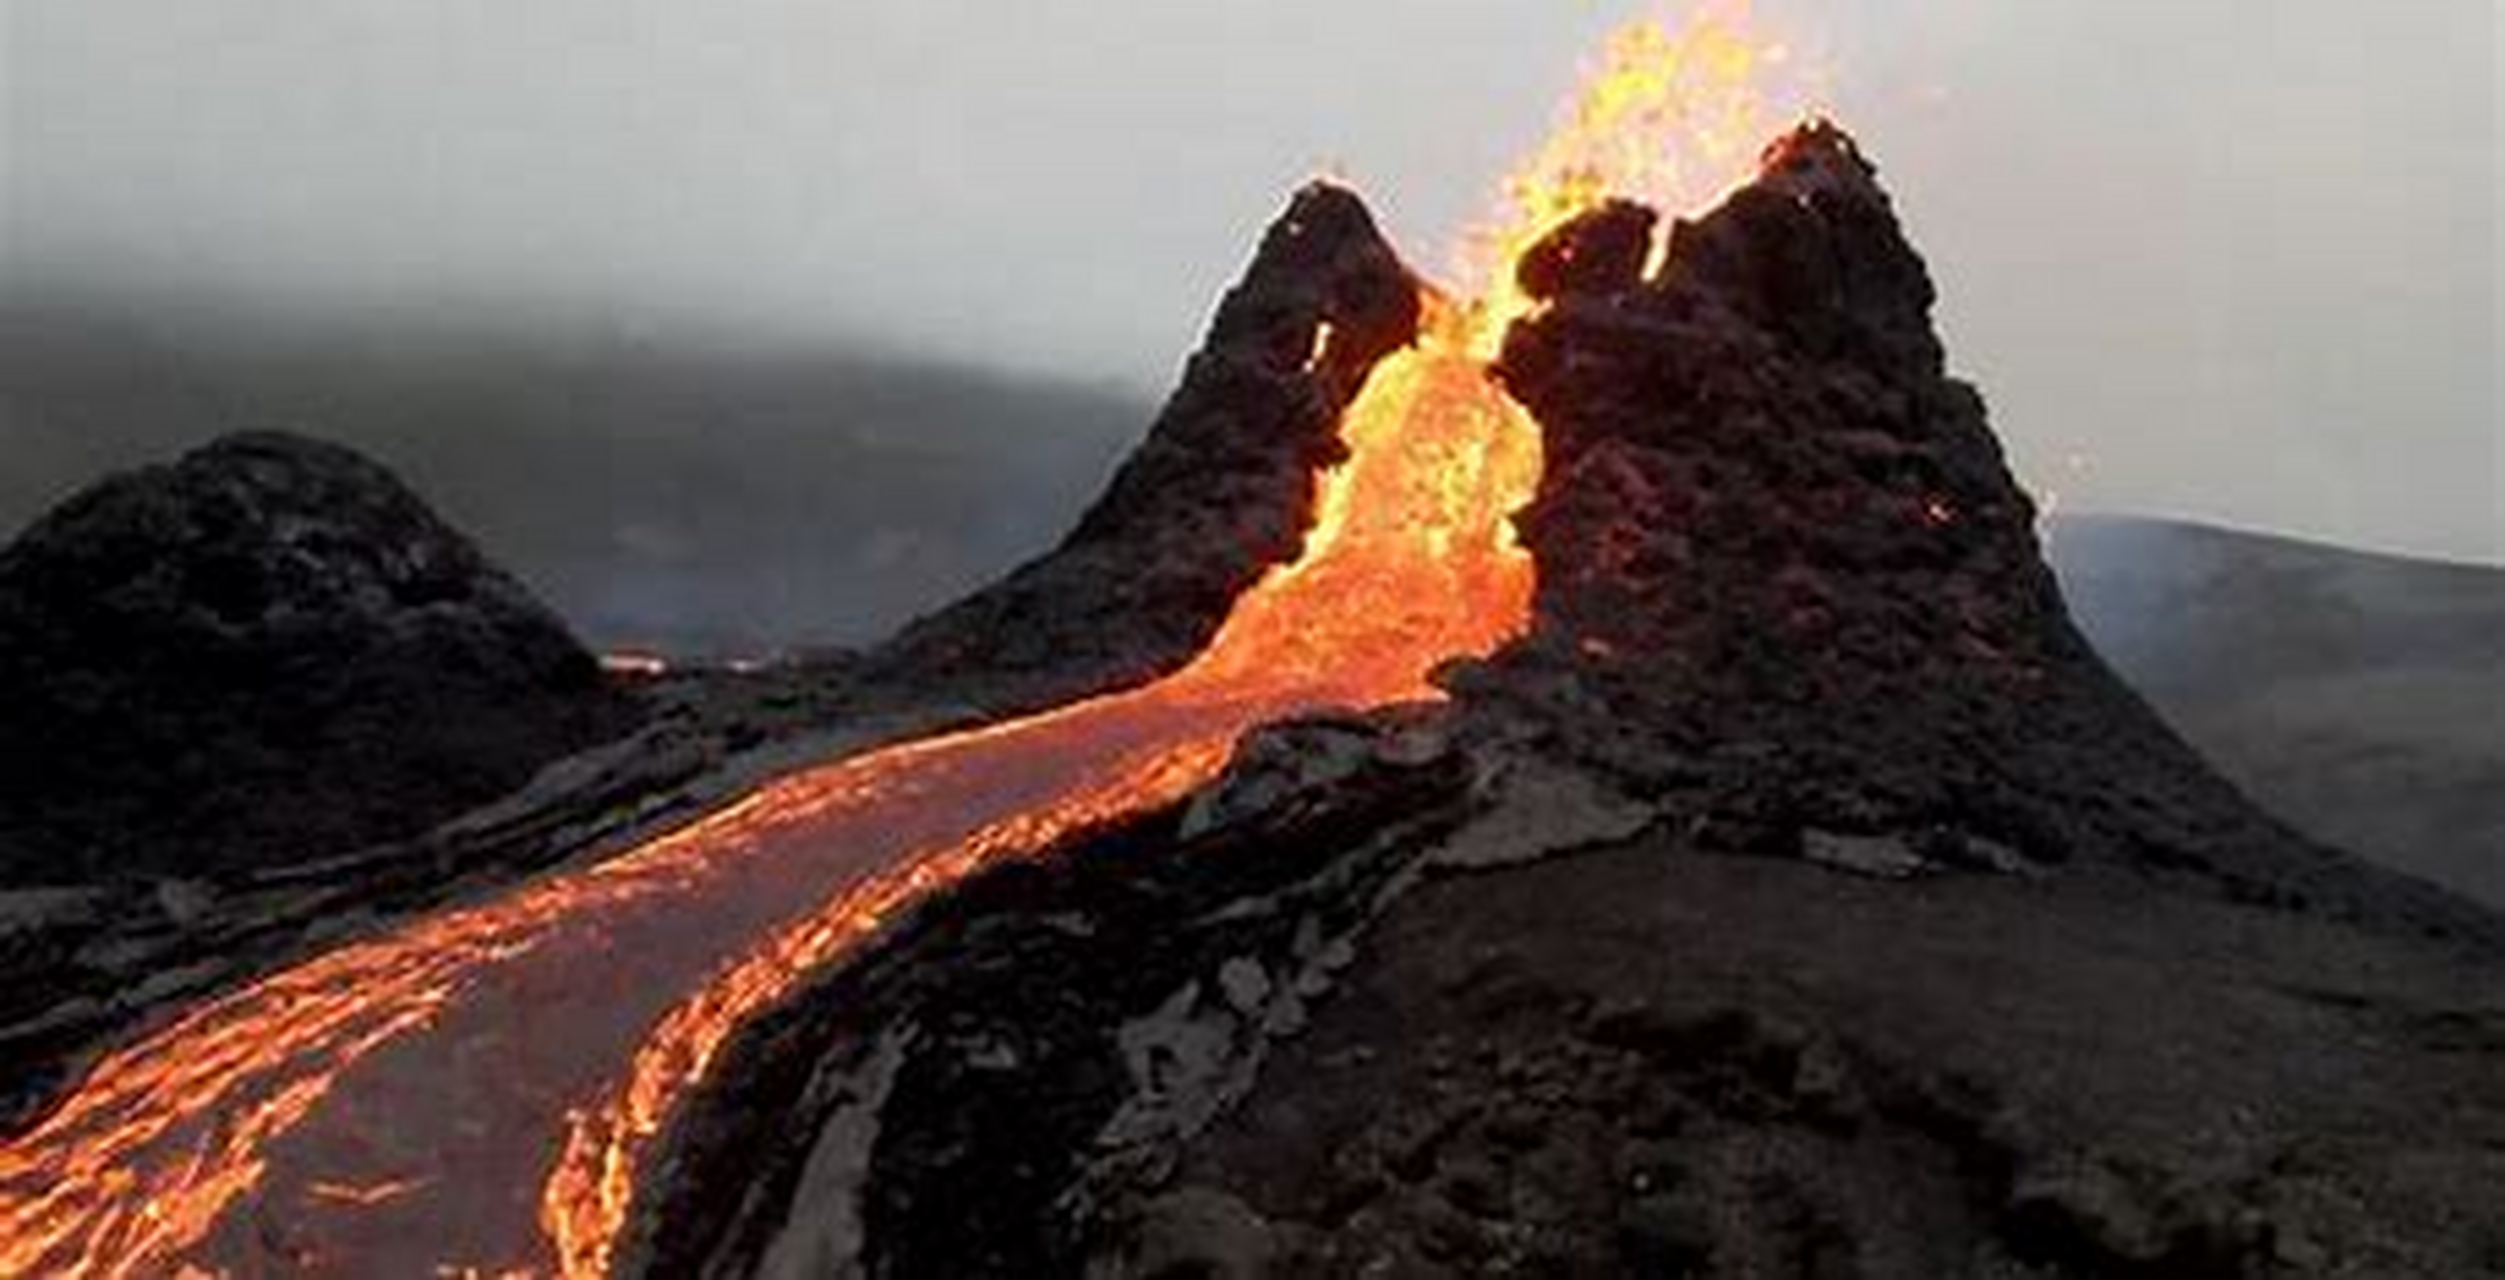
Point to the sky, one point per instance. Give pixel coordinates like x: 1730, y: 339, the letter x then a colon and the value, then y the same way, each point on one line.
x: 2236, y: 260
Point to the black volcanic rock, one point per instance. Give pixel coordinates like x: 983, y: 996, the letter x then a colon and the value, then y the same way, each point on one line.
x: 268, y: 650
x: 1220, y: 490
x: 1785, y: 572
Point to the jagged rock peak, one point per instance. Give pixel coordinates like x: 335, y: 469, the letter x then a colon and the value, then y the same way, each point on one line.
x: 1810, y: 250
x: 1756, y: 462
x: 1818, y: 157
x: 1785, y: 572
x: 1322, y: 261
x: 1813, y: 248
x: 1220, y: 490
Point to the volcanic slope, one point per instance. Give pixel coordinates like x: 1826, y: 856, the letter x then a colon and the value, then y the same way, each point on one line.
x: 477, y: 1088
x: 1221, y: 489
x: 1800, y: 895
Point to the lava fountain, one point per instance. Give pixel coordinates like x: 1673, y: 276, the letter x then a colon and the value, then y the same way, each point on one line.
x: 477, y: 1092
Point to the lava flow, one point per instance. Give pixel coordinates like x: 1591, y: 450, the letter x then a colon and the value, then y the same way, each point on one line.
x: 477, y: 1092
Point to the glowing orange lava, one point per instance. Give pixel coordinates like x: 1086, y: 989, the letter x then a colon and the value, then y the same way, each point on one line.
x: 1411, y: 561
x: 400, y: 1097
x: 1670, y: 116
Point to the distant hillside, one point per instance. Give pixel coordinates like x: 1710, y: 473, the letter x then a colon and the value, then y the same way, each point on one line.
x: 266, y: 651
x: 661, y: 495
x: 2360, y: 696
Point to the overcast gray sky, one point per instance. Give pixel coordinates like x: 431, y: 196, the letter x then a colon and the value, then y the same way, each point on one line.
x: 2235, y: 258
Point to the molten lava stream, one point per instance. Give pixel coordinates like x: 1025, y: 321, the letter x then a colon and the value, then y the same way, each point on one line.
x: 475, y: 1092
x: 395, y: 1106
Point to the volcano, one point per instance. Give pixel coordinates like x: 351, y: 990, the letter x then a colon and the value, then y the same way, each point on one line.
x: 1795, y: 893
x: 1584, y: 774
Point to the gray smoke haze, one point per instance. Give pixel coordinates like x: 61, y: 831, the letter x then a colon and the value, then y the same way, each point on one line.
x: 2236, y: 260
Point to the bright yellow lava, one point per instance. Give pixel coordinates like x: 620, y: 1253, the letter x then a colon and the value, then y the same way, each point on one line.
x: 1411, y: 562
x: 1668, y: 116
